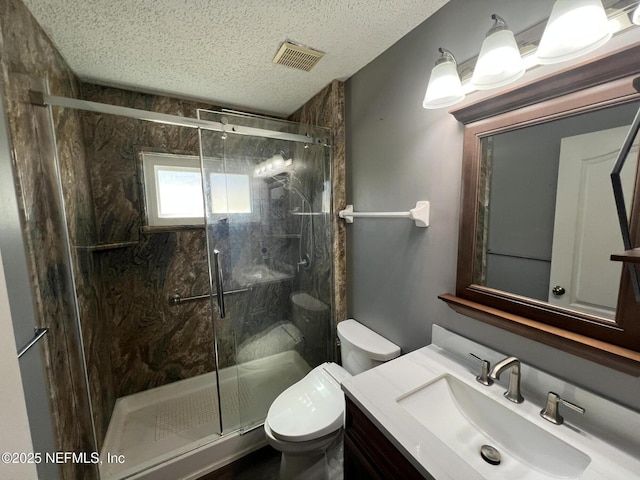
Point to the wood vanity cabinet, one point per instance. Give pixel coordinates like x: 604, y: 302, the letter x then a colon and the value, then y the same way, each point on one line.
x: 369, y: 455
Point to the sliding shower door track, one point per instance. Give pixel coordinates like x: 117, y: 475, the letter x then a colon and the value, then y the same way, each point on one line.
x: 44, y: 99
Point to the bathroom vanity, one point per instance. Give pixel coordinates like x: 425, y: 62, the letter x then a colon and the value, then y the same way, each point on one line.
x: 424, y: 415
x: 368, y: 454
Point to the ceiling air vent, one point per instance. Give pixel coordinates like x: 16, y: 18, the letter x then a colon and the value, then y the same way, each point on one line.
x: 295, y: 56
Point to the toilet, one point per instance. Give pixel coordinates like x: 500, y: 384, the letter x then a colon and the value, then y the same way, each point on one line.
x: 305, y: 422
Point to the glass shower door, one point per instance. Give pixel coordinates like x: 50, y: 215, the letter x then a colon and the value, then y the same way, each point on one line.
x: 217, y: 213
x: 260, y: 239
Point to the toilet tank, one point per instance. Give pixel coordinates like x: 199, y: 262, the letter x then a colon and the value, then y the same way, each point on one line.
x: 361, y: 348
x: 311, y: 317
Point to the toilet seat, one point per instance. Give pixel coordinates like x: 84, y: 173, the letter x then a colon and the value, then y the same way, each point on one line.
x: 300, y: 448
x: 311, y: 408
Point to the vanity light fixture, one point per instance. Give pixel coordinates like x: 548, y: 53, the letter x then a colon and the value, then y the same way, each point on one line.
x: 499, y: 62
x: 445, y: 87
x: 273, y: 166
x: 575, y: 27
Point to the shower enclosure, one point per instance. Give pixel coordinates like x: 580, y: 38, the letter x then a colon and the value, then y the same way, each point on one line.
x: 268, y: 237
x: 193, y: 323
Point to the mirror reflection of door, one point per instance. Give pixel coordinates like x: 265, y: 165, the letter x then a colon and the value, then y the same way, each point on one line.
x: 523, y: 183
x: 586, y: 227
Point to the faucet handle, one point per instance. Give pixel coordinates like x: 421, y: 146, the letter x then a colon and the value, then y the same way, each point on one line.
x: 551, y: 413
x: 484, y: 377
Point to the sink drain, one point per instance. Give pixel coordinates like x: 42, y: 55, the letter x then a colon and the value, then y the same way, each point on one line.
x: 490, y: 454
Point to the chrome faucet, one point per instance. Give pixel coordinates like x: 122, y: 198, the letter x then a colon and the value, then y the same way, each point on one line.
x: 513, y: 392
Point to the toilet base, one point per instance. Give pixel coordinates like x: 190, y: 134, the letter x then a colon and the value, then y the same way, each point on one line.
x: 327, y: 465
x: 325, y: 462
x: 303, y: 467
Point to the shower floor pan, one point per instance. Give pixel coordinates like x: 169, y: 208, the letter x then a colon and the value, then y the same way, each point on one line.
x: 170, y: 431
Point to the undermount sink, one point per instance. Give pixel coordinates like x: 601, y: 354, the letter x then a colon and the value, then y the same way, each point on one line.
x: 465, y: 419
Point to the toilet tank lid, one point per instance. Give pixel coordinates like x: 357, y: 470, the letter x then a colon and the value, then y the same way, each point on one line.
x: 362, y: 338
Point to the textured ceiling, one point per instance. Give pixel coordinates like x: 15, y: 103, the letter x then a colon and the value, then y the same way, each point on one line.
x: 221, y: 51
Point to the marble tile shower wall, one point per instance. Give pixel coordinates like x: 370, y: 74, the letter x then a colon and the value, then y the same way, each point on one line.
x: 153, y: 343
x: 327, y: 109
x: 27, y: 56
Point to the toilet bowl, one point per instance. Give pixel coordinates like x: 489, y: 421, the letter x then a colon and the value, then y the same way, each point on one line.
x: 305, y: 422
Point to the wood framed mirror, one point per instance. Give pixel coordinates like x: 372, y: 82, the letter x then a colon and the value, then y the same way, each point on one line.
x: 538, y: 220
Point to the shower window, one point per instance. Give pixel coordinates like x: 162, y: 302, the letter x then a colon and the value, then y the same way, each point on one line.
x: 230, y: 193
x: 173, y: 191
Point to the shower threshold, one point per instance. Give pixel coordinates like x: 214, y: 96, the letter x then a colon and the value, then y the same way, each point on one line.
x: 171, y: 431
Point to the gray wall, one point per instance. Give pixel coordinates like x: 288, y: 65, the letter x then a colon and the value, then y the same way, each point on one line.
x: 399, y: 153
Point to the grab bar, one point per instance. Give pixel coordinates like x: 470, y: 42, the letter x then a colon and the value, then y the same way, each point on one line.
x: 177, y: 299
x: 38, y: 334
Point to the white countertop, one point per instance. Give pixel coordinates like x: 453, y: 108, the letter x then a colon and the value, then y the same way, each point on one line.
x: 376, y: 393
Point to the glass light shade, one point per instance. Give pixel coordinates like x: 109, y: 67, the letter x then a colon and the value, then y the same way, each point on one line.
x: 635, y: 18
x: 575, y: 27
x: 499, y: 62
x: 445, y: 88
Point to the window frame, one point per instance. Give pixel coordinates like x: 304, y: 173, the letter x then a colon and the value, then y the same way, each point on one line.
x: 150, y: 160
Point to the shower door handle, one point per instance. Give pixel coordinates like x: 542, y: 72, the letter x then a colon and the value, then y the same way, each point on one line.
x: 219, y: 288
